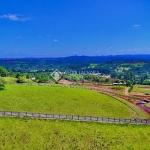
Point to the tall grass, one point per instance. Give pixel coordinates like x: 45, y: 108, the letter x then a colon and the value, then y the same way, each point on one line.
x: 16, y: 133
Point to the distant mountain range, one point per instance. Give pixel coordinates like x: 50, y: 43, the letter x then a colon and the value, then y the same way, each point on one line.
x: 91, y: 58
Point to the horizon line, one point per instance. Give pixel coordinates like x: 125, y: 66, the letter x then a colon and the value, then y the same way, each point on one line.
x: 26, y: 57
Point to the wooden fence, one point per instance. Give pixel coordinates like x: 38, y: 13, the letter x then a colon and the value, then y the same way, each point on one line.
x: 71, y: 117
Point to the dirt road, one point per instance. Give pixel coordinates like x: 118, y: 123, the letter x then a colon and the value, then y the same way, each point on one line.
x: 126, y: 91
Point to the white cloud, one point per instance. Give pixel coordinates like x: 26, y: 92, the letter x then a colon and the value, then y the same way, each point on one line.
x: 55, y: 40
x: 137, y: 25
x: 14, y: 17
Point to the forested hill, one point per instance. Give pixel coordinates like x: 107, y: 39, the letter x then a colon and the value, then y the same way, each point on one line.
x: 106, y: 58
x: 104, y: 64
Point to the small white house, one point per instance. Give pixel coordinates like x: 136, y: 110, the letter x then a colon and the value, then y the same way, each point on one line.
x: 32, y: 79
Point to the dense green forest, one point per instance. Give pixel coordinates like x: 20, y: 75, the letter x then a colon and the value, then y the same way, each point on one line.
x: 129, y: 69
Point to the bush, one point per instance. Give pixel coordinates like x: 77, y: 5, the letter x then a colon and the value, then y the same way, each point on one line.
x: 2, y: 86
x: 131, y: 88
x: 2, y: 82
x: 3, y: 72
x: 147, y: 93
x: 118, y: 87
x: 21, y: 80
x: 43, y: 80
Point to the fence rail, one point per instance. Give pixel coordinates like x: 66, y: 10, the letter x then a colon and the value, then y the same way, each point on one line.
x: 71, y: 117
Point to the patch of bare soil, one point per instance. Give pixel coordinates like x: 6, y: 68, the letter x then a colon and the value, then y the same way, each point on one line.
x: 63, y: 81
x: 142, y: 96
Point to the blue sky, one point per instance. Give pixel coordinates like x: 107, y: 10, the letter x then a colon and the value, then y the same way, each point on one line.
x: 58, y: 28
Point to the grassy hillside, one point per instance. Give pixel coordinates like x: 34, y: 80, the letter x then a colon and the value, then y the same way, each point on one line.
x: 139, y: 113
x: 34, y: 134
x: 44, y: 99
x: 10, y: 80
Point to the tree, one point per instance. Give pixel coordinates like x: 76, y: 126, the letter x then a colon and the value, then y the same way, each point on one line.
x: 3, y: 72
x: 107, y: 80
x: 43, y: 80
x: 114, y: 75
x: 21, y: 79
x: 130, y: 76
x: 18, y: 75
x: 2, y: 82
x: 128, y: 83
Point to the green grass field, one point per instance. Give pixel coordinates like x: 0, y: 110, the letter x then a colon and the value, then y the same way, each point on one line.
x: 25, y: 133
x: 147, y: 105
x: 141, y: 89
x: 139, y: 114
x: 92, y: 65
x: 126, y: 68
x: 57, y: 100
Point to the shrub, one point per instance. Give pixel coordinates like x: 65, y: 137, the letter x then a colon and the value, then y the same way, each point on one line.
x: 2, y: 86
x: 131, y: 88
x: 118, y: 87
x: 147, y: 93
x: 21, y: 80
x: 2, y: 82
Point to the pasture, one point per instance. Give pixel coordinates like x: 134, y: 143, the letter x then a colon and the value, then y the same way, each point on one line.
x: 26, y: 133
x: 141, y: 89
x: 57, y: 100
